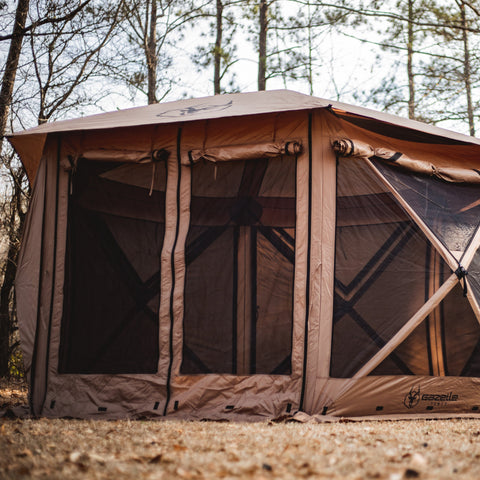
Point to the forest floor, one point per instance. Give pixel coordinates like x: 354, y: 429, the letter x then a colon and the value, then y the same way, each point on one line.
x: 81, y: 449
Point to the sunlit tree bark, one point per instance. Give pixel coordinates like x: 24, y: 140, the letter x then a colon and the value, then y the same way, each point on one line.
x: 262, y: 44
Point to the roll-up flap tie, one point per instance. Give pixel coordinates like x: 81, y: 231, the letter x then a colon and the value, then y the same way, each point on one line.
x: 243, y: 152
x: 134, y: 156
x: 69, y: 163
x: 157, y: 156
x: 346, y: 147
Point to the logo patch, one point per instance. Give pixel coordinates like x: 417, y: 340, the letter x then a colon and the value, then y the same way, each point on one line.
x: 414, y: 397
x: 185, y: 112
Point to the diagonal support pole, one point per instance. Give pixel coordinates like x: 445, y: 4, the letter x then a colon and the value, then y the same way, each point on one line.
x: 409, y: 327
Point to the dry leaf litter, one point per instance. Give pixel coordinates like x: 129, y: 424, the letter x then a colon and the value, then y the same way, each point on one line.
x: 79, y: 449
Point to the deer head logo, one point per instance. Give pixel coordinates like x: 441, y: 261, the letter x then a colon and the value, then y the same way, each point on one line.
x: 193, y: 110
x: 412, y: 397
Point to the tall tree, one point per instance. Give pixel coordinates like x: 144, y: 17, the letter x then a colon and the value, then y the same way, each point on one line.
x: 467, y: 76
x: 151, y: 33
x: 13, y: 213
x: 11, y: 65
x: 410, y: 52
x: 220, y: 51
x: 151, y: 55
x: 262, y: 43
x: 271, y: 33
x: 65, y: 42
x: 14, y: 201
x: 451, y: 75
x: 217, y: 52
x: 407, y: 24
x: 66, y: 56
x: 301, y: 50
x: 435, y: 72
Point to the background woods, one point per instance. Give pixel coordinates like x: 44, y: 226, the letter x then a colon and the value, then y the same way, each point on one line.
x: 59, y: 59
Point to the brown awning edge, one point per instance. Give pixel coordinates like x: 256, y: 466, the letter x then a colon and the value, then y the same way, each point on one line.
x: 243, y: 152
x: 346, y: 147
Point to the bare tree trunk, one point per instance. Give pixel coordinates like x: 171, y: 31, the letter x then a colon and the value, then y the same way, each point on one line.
x: 218, y: 49
x: 310, y: 50
x: 262, y: 46
x: 411, y: 79
x: 151, y: 51
x: 11, y: 65
x: 5, y: 318
x: 15, y: 226
x: 6, y: 93
x: 467, y: 70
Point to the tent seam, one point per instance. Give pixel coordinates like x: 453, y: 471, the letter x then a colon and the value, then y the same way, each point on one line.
x: 54, y: 269
x: 309, y: 235
x: 172, y: 266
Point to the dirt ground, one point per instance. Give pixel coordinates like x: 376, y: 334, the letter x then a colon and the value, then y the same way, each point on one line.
x: 76, y: 449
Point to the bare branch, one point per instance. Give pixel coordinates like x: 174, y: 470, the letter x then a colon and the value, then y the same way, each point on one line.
x: 49, y: 20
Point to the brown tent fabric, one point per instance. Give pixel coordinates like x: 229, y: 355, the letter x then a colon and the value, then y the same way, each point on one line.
x: 354, y: 148
x: 245, y: 152
x: 224, y: 258
x: 29, y: 144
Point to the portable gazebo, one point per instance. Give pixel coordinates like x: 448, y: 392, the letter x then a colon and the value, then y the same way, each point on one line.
x: 249, y: 256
